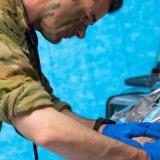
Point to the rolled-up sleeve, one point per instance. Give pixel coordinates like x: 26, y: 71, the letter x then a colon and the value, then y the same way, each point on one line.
x: 20, y: 89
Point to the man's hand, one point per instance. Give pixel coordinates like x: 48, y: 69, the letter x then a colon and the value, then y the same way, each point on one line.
x: 126, y: 131
x: 153, y: 150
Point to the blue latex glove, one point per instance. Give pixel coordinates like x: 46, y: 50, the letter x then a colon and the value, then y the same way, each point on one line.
x: 126, y: 131
x: 153, y: 150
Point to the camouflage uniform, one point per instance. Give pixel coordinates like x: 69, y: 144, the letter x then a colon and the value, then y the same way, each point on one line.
x: 23, y: 88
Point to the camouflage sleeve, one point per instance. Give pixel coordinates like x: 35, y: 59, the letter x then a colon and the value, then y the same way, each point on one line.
x: 20, y: 89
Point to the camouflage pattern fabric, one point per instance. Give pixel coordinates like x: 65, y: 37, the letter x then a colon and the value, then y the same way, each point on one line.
x: 21, y: 89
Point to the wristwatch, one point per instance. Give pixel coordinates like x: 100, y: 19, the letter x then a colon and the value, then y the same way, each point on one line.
x: 101, y: 121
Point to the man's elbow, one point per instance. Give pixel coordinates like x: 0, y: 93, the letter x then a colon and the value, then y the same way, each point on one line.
x: 44, y: 138
x: 40, y: 126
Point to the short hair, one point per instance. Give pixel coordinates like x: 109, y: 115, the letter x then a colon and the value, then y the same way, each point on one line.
x: 115, y: 5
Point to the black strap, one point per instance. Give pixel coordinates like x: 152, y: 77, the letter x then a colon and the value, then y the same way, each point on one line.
x: 34, y: 145
x: 35, y: 151
x: 101, y: 121
x: 0, y: 126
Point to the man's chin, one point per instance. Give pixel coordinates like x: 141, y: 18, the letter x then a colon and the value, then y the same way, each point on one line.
x: 56, y: 41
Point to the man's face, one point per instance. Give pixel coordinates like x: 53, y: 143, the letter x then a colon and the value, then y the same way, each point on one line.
x: 67, y: 18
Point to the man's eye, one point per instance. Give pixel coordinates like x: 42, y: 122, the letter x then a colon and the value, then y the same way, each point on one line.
x: 86, y: 17
x: 87, y: 20
x: 90, y: 19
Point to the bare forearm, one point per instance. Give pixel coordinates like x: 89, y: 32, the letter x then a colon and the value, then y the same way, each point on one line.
x: 84, y: 121
x: 68, y: 138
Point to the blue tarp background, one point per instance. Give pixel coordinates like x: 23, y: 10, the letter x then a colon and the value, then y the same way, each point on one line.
x: 86, y: 72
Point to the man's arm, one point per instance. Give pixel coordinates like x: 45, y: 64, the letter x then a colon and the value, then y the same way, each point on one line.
x: 84, y: 121
x: 90, y: 123
x: 68, y: 138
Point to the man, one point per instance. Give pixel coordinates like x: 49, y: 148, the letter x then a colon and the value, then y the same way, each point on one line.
x: 26, y: 100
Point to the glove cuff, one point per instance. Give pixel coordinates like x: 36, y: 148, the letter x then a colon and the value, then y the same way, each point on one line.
x: 101, y: 121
